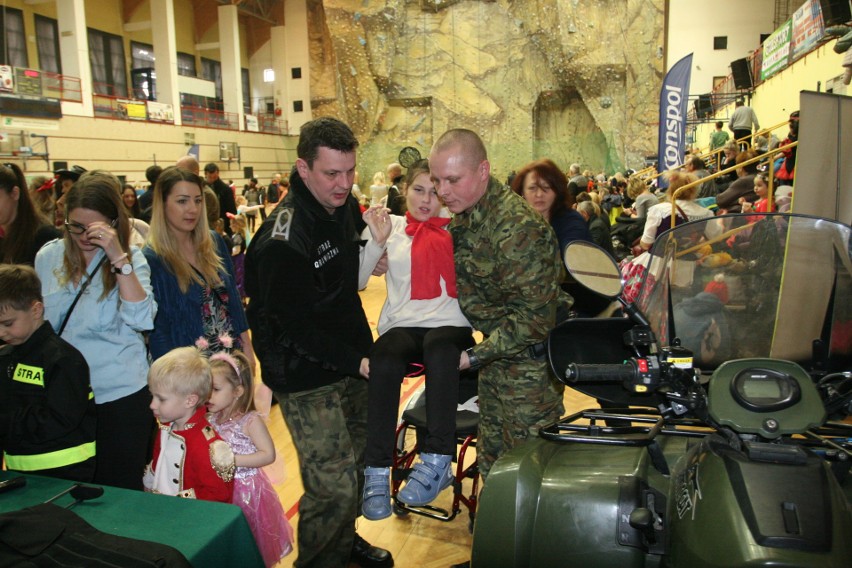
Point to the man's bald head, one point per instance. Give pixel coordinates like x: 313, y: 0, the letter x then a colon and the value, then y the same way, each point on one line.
x: 460, y: 169
x: 189, y: 163
x: 468, y: 143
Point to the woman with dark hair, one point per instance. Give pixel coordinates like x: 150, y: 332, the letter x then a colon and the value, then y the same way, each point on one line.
x: 98, y: 297
x: 192, y: 273
x: 138, y: 228
x: 543, y: 185
x: 23, y: 231
x: 131, y: 200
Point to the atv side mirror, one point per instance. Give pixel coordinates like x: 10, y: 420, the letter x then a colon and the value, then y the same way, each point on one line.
x: 591, y: 266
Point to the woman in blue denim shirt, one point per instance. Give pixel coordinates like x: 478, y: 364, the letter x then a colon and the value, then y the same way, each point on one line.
x: 191, y: 272
x: 107, y: 323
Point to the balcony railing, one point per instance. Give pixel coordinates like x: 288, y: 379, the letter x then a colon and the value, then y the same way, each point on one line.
x: 270, y: 124
x: 206, y: 118
x: 34, y: 82
x: 108, y: 101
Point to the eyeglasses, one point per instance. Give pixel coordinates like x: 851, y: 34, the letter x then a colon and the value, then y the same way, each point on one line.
x: 75, y: 228
x: 78, y: 229
x: 533, y: 189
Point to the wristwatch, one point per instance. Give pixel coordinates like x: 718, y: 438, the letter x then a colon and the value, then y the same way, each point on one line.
x: 474, y: 361
x: 125, y: 270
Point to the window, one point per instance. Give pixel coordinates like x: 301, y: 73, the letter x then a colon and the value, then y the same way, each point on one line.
x: 47, y: 41
x: 296, y: 72
x: 141, y: 55
x: 14, y: 39
x: 186, y: 64
x: 298, y: 106
x: 720, y: 42
x: 212, y: 71
x: 246, y: 91
x: 109, y: 71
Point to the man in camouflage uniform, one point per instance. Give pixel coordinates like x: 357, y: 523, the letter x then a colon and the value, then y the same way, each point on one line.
x: 312, y: 339
x: 507, y: 275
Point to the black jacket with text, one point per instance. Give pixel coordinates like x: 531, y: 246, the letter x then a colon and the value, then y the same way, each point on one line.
x: 308, y: 325
x: 47, y: 409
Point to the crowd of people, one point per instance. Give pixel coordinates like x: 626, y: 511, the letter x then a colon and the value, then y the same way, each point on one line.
x: 161, y: 306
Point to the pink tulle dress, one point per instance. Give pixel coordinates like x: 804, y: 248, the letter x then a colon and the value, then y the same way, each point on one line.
x: 255, y: 495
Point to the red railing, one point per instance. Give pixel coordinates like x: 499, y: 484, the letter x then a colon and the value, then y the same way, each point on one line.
x: 270, y: 124
x: 206, y: 118
x: 46, y: 84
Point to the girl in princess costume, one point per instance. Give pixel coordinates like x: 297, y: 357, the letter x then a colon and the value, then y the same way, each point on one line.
x: 233, y: 415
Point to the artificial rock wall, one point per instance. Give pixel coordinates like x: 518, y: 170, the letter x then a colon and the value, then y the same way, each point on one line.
x: 572, y: 80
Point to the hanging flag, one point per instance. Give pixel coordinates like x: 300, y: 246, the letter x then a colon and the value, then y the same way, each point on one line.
x: 674, y: 97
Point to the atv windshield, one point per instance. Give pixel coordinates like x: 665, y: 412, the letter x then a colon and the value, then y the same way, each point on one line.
x: 767, y: 285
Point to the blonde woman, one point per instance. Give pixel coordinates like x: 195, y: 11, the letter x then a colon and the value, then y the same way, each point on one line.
x: 192, y: 274
x: 379, y: 189
x: 659, y: 216
x: 98, y: 296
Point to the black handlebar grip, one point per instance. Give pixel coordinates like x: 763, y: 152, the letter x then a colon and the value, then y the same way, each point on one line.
x: 600, y: 373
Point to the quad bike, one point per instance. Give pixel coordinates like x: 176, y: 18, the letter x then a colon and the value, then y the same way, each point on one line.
x: 716, y: 449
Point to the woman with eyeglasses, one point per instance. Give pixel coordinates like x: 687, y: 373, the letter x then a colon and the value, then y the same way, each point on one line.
x: 543, y: 185
x: 22, y: 230
x: 98, y: 297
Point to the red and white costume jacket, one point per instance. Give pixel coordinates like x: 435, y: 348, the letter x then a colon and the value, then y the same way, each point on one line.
x: 183, y: 464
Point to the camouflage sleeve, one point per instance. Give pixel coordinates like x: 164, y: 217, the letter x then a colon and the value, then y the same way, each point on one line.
x: 527, y: 274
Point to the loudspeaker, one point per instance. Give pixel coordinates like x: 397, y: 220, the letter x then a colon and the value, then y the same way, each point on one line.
x: 703, y: 106
x: 60, y: 166
x: 835, y: 12
x: 741, y: 71
x: 248, y: 172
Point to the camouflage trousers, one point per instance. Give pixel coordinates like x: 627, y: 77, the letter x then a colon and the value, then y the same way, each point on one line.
x: 516, y: 397
x: 329, y: 429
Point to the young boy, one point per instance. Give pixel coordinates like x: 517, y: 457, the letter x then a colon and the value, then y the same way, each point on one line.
x: 47, y: 409
x: 190, y: 459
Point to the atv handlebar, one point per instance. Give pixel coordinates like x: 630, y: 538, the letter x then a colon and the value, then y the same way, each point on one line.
x: 620, y: 373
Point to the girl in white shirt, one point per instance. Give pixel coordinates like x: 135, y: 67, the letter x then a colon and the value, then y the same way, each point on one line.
x: 422, y: 322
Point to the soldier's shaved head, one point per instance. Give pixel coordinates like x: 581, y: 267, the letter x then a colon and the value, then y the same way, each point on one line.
x: 468, y: 142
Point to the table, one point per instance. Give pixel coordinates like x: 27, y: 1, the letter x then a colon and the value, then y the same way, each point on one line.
x: 208, y: 534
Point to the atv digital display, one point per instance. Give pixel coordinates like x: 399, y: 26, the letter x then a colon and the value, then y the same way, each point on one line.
x: 764, y: 390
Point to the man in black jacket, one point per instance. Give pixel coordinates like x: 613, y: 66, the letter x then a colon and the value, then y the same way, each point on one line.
x: 312, y: 339
x: 227, y: 201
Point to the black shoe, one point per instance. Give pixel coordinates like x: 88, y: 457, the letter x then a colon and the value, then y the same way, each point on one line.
x: 368, y: 556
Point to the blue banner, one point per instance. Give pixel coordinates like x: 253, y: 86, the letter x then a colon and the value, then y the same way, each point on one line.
x: 674, y: 97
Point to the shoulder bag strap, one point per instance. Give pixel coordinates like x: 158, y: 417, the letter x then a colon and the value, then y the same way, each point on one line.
x: 83, y: 287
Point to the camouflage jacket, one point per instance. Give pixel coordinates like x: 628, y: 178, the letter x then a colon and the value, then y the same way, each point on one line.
x: 507, y: 272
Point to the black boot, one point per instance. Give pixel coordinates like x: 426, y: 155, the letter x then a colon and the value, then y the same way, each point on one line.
x: 368, y: 556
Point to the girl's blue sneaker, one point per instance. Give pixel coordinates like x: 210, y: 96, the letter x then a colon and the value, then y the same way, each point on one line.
x: 430, y: 476
x: 376, y: 503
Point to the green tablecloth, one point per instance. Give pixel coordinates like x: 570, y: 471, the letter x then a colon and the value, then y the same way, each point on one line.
x: 208, y: 534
